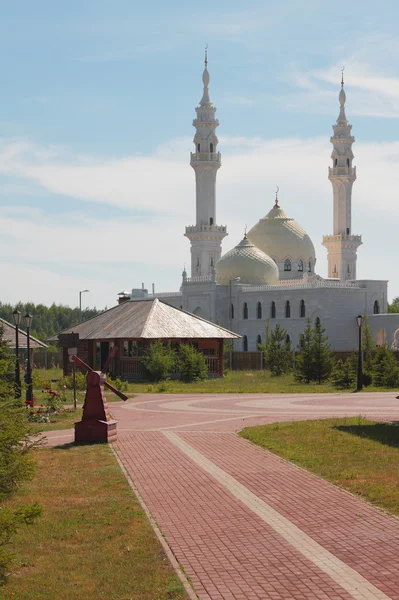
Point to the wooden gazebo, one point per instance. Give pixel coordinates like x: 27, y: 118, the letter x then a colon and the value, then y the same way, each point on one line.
x: 9, y: 337
x: 132, y: 326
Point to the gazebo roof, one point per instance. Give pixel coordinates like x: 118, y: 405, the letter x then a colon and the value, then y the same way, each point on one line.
x: 9, y: 336
x: 147, y: 319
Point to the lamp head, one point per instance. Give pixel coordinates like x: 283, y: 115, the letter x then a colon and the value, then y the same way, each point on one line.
x: 28, y: 320
x: 16, y: 315
x: 359, y: 320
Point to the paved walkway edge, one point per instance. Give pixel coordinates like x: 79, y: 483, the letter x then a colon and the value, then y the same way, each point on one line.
x: 190, y: 592
x: 341, y: 573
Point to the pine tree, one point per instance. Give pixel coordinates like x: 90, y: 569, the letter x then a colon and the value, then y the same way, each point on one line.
x: 385, y: 368
x: 368, y: 346
x: 304, y: 360
x: 343, y: 374
x: 321, y: 353
x: 277, y: 351
x: 314, y: 361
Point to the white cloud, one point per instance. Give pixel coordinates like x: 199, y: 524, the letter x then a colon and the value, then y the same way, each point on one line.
x: 370, y: 92
x: 68, y: 251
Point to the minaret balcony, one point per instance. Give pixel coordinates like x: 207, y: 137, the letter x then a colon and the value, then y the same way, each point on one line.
x: 340, y: 237
x: 342, y: 172
x: 207, y: 229
x: 205, y: 157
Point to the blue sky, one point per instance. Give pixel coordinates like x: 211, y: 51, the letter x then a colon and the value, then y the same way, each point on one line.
x: 96, y: 105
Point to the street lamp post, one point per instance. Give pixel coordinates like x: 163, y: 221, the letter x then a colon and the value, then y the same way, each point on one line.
x: 16, y: 315
x: 80, y: 304
x: 29, y: 391
x: 235, y: 280
x: 359, y: 387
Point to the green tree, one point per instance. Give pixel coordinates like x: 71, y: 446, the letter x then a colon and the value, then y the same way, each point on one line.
x: 393, y: 307
x: 277, y: 351
x: 16, y: 464
x: 7, y: 369
x: 304, y: 360
x: 385, y: 368
x: 368, y: 346
x: 343, y: 375
x: 322, y: 353
x: 160, y: 361
x: 47, y: 321
x: 314, y: 361
x: 191, y: 364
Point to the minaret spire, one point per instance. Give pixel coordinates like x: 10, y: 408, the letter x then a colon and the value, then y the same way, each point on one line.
x: 205, y: 235
x: 342, y: 245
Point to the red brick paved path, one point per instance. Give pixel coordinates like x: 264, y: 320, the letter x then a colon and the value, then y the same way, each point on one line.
x: 243, y: 523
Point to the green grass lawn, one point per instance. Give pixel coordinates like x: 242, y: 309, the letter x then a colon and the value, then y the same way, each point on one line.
x: 65, y: 420
x: 361, y: 456
x: 245, y: 382
x: 93, y: 540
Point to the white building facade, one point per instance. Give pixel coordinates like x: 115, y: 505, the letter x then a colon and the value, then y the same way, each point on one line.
x: 270, y: 277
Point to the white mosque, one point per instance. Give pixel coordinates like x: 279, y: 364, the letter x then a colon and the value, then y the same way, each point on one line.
x: 270, y: 277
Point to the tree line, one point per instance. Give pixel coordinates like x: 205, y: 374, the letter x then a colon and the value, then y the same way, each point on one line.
x: 47, y: 320
x: 313, y: 360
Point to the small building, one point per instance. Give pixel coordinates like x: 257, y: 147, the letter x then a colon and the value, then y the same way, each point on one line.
x: 9, y: 337
x: 133, y: 326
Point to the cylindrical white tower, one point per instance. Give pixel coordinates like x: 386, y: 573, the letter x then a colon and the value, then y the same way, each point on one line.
x: 342, y: 245
x: 205, y: 236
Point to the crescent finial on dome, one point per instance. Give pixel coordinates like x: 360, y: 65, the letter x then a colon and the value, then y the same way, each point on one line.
x: 276, y: 204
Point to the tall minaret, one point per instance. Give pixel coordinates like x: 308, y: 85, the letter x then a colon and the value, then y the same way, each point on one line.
x: 205, y: 236
x: 342, y: 245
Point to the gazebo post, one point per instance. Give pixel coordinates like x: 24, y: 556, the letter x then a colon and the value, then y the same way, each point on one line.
x: 221, y: 358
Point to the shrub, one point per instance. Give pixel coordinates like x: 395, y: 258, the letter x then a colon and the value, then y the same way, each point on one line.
x: 343, y: 375
x: 16, y: 466
x: 120, y: 385
x: 40, y: 379
x: 277, y: 351
x: 192, y: 364
x: 385, y: 368
x: 367, y: 378
x: 159, y: 361
x: 66, y: 382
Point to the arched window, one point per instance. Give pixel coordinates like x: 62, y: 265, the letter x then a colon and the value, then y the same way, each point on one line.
x: 245, y: 311
x: 336, y: 162
x: 347, y: 231
x: 198, y: 268
x: 245, y: 343
x: 211, y: 262
x: 181, y: 306
x: 302, y: 309
x: 273, y: 310
x: 258, y: 340
x: 287, y: 340
x: 232, y: 311
x: 301, y: 341
x: 376, y: 309
x: 287, y: 309
x: 347, y: 162
x: 199, y: 147
x: 287, y: 265
x: 210, y: 220
x: 211, y: 147
x: 259, y: 310
x: 310, y: 266
x: 300, y: 265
